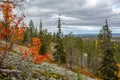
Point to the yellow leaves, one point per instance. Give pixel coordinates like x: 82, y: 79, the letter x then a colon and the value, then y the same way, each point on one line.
x: 28, y: 45
x: 96, y: 44
x: 17, y: 34
x: 118, y: 65
x: 119, y: 70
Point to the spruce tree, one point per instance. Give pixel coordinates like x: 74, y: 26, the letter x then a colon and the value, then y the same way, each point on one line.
x: 31, y: 31
x: 26, y: 35
x: 41, y: 36
x: 36, y: 32
x: 31, y: 26
x: 45, y: 39
x: 54, y: 36
x: 40, y: 29
x: 59, y: 55
x: 108, y: 69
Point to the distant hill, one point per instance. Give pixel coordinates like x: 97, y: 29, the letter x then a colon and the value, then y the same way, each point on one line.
x: 94, y: 35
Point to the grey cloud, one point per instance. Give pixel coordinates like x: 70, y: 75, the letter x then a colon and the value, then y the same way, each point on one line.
x: 84, y: 14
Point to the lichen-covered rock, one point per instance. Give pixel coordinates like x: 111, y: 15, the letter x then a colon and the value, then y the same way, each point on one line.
x: 43, y: 71
x: 51, y: 78
x: 54, y: 68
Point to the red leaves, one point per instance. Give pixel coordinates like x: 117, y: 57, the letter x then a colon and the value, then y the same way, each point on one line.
x: 1, y: 36
x: 6, y: 32
x: 36, y: 42
x: 40, y: 58
x: 48, y: 56
x: 17, y: 33
x: 6, y: 10
x: 33, y: 51
x: 12, y: 25
x: 11, y: 28
x: 1, y: 24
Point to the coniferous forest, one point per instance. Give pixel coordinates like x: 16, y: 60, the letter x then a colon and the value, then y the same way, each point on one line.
x: 32, y: 52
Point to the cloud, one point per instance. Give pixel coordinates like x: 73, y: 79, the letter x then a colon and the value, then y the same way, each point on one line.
x: 36, y: 11
x: 63, y: 17
x: 79, y: 15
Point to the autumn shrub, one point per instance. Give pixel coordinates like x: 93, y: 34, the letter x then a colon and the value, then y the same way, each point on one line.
x: 11, y: 27
x: 33, y: 52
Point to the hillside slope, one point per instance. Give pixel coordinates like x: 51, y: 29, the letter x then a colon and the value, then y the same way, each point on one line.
x: 14, y: 68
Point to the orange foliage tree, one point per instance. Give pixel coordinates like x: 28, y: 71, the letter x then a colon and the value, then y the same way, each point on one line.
x: 10, y: 27
x: 33, y: 52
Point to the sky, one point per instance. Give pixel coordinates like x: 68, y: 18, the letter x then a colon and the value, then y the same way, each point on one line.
x: 77, y: 16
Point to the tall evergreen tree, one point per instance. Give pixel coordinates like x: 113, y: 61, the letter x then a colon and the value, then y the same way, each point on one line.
x: 36, y: 32
x: 31, y: 30
x: 54, y: 36
x: 42, y: 37
x: 31, y: 26
x: 45, y: 37
x: 40, y: 29
x: 26, y: 35
x: 108, y: 69
x: 59, y: 55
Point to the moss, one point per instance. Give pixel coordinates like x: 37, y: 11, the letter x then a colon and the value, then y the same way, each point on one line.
x: 1, y: 77
x: 15, y: 51
x: 11, y: 67
x: 80, y: 77
x: 54, y: 75
x: 34, y: 75
x: 23, y: 75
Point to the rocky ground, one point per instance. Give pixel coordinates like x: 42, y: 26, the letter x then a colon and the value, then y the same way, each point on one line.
x: 14, y: 68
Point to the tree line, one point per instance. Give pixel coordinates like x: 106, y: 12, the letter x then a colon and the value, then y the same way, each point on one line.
x: 99, y: 55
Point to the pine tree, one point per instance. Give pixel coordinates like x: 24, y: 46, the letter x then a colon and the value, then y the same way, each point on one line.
x: 54, y: 36
x: 40, y: 29
x: 36, y: 32
x: 45, y: 37
x: 31, y: 31
x: 59, y: 55
x: 108, y: 69
x: 26, y: 35
x: 41, y: 36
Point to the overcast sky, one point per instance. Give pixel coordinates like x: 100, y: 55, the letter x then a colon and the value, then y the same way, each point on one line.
x: 78, y: 16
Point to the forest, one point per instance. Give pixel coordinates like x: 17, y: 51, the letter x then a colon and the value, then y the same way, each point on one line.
x: 28, y: 52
